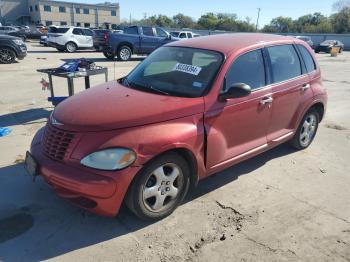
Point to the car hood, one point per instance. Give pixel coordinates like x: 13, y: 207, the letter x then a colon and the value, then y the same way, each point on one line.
x: 114, y: 106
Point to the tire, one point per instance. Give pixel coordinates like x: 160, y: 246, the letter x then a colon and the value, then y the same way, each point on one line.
x: 306, y: 131
x: 159, y: 188
x: 71, y: 47
x: 109, y: 54
x: 317, y: 51
x: 124, y: 53
x: 340, y: 50
x: 7, y: 55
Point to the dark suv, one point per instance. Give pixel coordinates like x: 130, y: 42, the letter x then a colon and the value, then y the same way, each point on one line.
x: 11, y: 48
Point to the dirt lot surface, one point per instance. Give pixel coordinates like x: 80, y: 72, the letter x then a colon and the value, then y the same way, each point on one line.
x: 280, y: 206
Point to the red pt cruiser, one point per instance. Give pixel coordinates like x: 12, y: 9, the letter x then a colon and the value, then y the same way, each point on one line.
x: 189, y: 110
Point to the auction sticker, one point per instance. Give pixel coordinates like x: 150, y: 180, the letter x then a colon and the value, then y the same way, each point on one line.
x: 189, y: 69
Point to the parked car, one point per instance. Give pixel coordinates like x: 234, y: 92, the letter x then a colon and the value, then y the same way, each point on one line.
x: 141, y: 40
x: 101, y: 36
x: 70, y: 39
x: 327, y: 45
x: 183, y: 34
x: 189, y: 110
x: 43, y: 40
x: 11, y: 48
x: 307, y: 39
x: 13, y: 31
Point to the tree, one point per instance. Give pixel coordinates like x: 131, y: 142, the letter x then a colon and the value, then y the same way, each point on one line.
x: 280, y: 24
x: 341, y: 4
x: 183, y: 21
x: 341, y: 21
x: 208, y: 21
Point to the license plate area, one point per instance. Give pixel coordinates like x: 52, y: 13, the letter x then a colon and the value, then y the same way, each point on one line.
x: 31, y: 165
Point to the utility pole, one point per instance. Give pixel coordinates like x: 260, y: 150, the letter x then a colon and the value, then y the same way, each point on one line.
x: 257, y: 20
x: 130, y: 19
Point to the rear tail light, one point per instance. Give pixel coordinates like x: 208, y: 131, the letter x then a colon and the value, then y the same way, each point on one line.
x: 106, y: 37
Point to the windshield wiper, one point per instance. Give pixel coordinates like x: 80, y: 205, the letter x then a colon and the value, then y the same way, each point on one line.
x: 146, y: 87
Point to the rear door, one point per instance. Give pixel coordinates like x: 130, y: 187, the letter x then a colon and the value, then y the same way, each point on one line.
x: 239, y: 127
x: 290, y: 85
x: 78, y: 37
x: 89, y: 38
x: 149, y: 41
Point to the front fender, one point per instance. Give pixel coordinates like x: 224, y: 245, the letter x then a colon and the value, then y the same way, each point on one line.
x: 150, y: 141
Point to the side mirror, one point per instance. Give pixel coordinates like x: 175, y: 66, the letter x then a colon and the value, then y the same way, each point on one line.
x: 168, y: 37
x: 236, y: 90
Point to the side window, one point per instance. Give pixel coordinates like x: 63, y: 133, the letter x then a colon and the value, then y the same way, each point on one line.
x: 308, y: 59
x: 189, y: 35
x: 285, y: 62
x: 131, y: 30
x: 88, y: 32
x: 248, y: 69
x: 161, y: 33
x: 147, y: 31
x: 77, y: 31
x: 183, y: 35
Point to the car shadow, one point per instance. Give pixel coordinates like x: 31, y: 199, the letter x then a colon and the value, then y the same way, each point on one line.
x: 24, y: 117
x: 38, y: 225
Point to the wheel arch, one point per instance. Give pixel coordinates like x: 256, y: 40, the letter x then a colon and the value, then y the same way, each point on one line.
x: 125, y: 44
x: 320, y: 108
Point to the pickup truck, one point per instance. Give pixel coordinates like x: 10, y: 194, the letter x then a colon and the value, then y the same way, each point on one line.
x: 141, y: 40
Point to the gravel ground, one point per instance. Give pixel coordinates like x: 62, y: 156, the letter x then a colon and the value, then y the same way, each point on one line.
x: 280, y: 206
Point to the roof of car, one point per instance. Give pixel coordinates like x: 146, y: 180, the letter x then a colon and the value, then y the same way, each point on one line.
x: 228, y: 43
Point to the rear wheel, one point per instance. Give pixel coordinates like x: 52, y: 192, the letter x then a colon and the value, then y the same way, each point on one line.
x: 71, y: 47
x: 159, y: 188
x: 7, y: 55
x: 124, y: 53
x: 306, y: 131
x: 340, y: 50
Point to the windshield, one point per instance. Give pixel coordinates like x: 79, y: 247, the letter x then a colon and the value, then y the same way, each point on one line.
x: 174, y: 34
x: 176, y: 71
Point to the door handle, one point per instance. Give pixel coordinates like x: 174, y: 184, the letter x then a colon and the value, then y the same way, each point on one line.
x: 305, y: 87
x: 266, y: 100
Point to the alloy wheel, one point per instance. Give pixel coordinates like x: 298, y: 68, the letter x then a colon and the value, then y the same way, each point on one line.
x: 308, y: 130
x: 125, y: 54
x: 6, y: 56
x: 162, y: 187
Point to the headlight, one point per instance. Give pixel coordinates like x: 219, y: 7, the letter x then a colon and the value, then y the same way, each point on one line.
x: 110, y: 159
x: 18, y: 42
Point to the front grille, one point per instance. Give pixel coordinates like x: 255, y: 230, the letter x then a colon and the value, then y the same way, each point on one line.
x: 56, y: 142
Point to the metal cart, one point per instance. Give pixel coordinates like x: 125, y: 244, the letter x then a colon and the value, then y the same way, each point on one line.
x: 70, y: 80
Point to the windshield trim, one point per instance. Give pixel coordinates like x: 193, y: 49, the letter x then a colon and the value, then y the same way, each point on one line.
x: 205, y: 90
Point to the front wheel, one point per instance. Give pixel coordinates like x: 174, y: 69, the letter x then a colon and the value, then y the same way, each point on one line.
x: 306, y: 131
x: 7, y: 55
x: 124, y: 53
x: 159, y: 188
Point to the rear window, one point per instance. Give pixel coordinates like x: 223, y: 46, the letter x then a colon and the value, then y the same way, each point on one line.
x: 58, y: 30
x: 285, y: 62
x: 308, y: 59
x: 131, y: 30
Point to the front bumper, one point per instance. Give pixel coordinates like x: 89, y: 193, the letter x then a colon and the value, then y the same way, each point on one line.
x: 83, y: 187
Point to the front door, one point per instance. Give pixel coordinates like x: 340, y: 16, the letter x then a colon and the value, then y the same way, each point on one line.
x: 238, y: 127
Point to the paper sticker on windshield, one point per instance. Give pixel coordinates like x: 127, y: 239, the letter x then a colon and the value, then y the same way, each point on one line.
x: 189, y: 69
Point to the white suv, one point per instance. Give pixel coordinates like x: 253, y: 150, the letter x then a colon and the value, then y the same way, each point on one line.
x: 70, y: 39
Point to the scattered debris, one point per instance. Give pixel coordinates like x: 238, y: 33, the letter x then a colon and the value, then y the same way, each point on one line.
x: 223, y: 237
x: 336, y: 127
x: 19, y: 159
x: 323, y: 171
x: 4, y: 131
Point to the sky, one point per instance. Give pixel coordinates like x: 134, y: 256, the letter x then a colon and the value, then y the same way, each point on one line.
x: 194, y: 8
